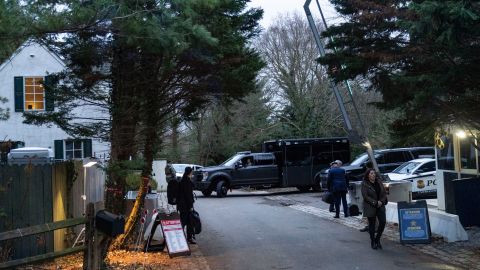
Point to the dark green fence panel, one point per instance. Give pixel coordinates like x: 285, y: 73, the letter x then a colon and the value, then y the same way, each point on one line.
x: 26, y: 196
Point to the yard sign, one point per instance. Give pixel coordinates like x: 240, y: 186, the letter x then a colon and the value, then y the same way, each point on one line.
x: 174, y: 235
x: 414, y: 224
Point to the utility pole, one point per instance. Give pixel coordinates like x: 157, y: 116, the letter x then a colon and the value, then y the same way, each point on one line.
x: 357, y: 137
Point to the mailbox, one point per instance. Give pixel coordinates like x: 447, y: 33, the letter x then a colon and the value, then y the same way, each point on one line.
x: 110, y: 224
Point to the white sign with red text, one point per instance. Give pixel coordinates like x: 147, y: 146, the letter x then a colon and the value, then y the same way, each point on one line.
x: 175, y: 237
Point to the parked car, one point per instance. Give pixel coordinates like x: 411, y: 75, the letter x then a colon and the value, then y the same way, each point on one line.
x: 387, y: 160
x: 421, y: 172
x: 180, y: 169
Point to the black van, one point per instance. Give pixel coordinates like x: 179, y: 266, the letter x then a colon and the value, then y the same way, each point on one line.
x: 283, y: 163
x: 387, y: 160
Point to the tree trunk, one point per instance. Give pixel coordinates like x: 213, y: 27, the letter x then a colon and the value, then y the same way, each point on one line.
x: 124, y: 122
x: 149, y: 113
x: 175, y: 122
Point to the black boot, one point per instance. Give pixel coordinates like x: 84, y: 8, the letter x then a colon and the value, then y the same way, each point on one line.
x: 377, y: 243
x: 373, y: 244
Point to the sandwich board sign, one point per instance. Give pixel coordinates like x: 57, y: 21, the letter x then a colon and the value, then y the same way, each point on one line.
x: 174, y: 235
x: 153, y: 236
x: 413, y: 223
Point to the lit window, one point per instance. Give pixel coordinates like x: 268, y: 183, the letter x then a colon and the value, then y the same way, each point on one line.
x: 73, y: 149
x: 468, y: 155
x: 34, y: 94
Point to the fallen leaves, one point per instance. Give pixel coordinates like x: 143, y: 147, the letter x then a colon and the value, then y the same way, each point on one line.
x: 118, y: 259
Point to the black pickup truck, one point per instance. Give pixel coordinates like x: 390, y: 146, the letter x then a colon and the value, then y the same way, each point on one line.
x: 283, y: 163
x: 243, y: 169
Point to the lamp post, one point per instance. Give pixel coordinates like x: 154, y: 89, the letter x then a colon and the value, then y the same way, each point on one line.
x: 84, y: 196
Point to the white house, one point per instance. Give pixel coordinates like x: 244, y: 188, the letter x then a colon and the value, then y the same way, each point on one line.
x: 21, y: 78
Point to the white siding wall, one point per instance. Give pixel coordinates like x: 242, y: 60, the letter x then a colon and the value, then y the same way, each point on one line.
x: 23, y: 64
x: 159, y: 174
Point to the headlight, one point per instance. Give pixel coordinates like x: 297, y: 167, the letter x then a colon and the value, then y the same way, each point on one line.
x: 205, y: 176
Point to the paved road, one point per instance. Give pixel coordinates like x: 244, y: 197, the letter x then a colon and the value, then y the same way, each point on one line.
x: 255, y: 232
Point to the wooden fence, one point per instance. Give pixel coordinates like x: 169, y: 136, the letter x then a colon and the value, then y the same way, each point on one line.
x: 39, y: 194
x: 40, y: 229
x: 26, y: 199
x: 91, y: 257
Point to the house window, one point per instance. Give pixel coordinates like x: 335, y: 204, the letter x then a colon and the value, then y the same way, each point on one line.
x: 73, y: 149
x: 34, y: 94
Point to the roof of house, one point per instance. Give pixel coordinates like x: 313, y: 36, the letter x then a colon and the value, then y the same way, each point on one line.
x: 26, y: 44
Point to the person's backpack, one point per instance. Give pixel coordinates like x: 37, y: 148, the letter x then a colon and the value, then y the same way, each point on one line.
x: 172, y: 191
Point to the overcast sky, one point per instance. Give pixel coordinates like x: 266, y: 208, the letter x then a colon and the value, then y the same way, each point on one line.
x: 272, y: 8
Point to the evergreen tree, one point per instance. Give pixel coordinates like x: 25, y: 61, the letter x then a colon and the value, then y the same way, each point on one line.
x: 143, y: 61
x: 421, y: 55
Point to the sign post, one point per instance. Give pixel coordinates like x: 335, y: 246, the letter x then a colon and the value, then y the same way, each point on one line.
x: 414, y: 224
x: 174, y: 235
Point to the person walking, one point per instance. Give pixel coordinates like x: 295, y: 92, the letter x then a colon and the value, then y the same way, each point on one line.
x: 339, y: 183
x: 374, y: 201
x: 185, y: 203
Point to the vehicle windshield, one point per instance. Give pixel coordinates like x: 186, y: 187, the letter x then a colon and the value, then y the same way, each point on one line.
x: 179, y: 168
x: 406, y: 167
x: 359, y: 160
x: 231, y: 161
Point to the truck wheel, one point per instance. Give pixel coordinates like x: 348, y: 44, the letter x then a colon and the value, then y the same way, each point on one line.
x: 317, y: 186
x: 207, y: 193
x: 303, y: 188
x: 221, y: 189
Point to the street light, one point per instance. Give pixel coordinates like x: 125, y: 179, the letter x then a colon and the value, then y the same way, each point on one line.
x: 461, y: 134
x: 84, y: 196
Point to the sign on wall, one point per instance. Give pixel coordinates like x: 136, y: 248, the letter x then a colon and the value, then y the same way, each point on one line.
x: 414, y: 224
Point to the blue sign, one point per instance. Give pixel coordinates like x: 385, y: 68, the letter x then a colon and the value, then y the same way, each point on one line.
x: 414, y: 224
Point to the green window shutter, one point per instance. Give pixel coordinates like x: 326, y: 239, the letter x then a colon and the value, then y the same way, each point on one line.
x: 87, y: 148
x: 49, y: 94
x: 59, y: 149
x: 18, y: 86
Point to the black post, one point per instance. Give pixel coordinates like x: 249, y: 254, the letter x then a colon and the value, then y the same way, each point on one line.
x: 89, y: 237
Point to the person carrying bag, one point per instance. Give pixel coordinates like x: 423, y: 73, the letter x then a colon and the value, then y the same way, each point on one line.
x: 375, y: 199
x: 185, y: 202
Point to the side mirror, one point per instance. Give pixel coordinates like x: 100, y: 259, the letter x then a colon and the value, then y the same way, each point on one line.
x: 238, y: 165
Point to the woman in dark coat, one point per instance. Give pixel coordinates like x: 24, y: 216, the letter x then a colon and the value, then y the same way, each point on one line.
x: 185, y: 203
x: 374, y: 200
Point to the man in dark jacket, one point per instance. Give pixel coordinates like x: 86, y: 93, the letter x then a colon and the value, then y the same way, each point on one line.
x: 185, y: 203
x: 339, y: 183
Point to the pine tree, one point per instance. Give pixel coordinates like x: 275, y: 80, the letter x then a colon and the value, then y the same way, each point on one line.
x: 421, y: 55
x: 142, y: 61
